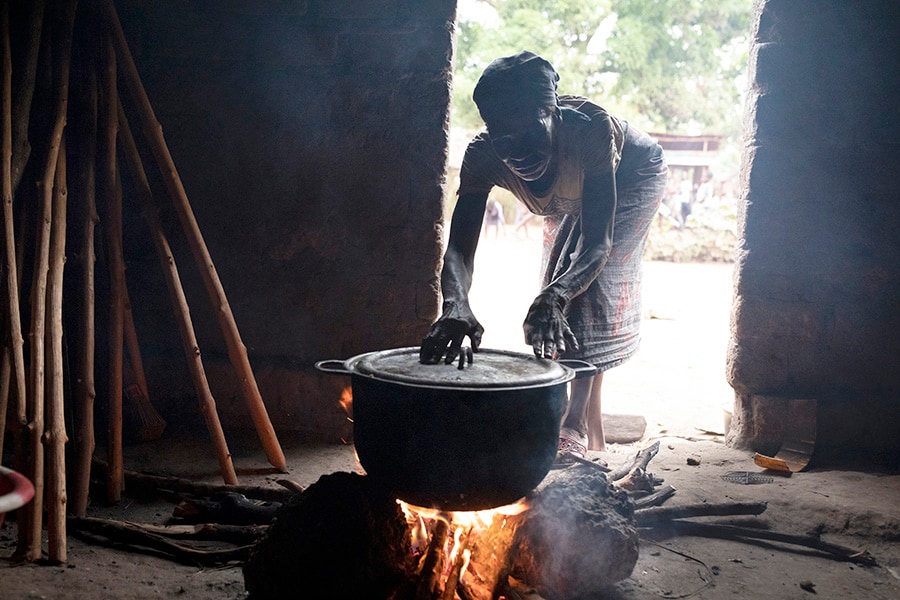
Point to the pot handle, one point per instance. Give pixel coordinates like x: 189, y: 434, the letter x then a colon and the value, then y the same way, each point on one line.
x: 333, y: 367
x: 581, y: 368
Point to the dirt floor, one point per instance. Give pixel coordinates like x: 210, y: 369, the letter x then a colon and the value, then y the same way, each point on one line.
x: 676, y: 382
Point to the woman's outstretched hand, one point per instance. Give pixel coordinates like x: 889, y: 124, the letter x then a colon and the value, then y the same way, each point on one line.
x: 447, y: 334
x: 546, y: 328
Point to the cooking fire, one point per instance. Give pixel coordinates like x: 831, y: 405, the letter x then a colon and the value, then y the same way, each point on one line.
x: 574, y: 535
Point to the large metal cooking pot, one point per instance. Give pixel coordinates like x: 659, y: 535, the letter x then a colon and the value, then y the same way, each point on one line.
x: 457, y: 438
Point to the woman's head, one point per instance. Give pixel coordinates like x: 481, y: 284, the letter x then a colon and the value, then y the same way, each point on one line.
x: 516, y: 96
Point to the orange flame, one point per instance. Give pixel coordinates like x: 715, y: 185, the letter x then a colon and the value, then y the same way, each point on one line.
x: 346, y: 402
x: 460, y: 549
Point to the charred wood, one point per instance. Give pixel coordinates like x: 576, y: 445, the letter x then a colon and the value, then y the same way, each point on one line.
x: 654, y: 499
x: 750, y: 535
x: 136, y: 538
x: 227, y: 508
x: 157, y: 484
x: 429, y: 580
x: 647, y: 517
x: 640, y: 460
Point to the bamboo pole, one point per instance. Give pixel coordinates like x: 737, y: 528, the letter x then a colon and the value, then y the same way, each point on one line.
x: 237, y: 352
x: 86, y: 391
x: 55, y: 432
x: 108, y: 175
x: 179, y: 303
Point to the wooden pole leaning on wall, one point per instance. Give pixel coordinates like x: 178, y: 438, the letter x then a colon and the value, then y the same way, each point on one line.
x: 55, y: 429
x: 111, y: 191
x: 37, y: 388
x: 237, y: 352
x: 85, y: 390
x: 11, y: 309
x: 179, y: 303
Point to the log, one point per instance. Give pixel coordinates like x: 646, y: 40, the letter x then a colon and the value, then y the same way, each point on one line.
x: 744, y: 534
x: 55, y: 437
x: 156, y: 483
x: 489, y: 564
x: 429, y: 580
x: 640, y: 460
x: 85, y: 388
x: 654, y: 499
x: 636, y: 481
x: 55, y: 432
x: 227, y: 508
x: 61, y: 63
x: 112, y: 219
x: 459, y: 563
x: 179, y: 302
x: 135, y: 538
x: 6, y: 194
x: 12, y: 307
x: 237, y: 352
x: 233, y: 534
x: 647, y: 517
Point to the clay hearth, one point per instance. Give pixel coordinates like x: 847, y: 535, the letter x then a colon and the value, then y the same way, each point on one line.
x: 575, y: 537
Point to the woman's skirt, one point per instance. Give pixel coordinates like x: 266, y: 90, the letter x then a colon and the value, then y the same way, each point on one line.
x: 606, y: 318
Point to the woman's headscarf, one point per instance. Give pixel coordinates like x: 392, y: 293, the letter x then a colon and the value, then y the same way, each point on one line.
x: 515, y: 84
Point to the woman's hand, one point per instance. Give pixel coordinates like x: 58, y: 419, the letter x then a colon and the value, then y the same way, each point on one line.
x: 546, y: 328
x: 447, y: 334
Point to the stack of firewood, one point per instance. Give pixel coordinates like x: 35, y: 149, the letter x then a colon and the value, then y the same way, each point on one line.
x: 61, y: 72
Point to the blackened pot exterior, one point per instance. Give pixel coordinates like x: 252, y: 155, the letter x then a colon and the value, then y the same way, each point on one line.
x: 456, y: 450
x: 470, y: 446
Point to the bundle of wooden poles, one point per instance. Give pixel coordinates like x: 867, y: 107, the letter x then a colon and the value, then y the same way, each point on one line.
x: 63, y: 45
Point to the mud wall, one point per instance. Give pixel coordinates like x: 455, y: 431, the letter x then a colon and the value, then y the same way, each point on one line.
x: 817, y: 305
x: 311, y: 138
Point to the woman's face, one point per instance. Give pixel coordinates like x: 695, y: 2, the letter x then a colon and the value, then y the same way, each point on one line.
x: 524, y: 142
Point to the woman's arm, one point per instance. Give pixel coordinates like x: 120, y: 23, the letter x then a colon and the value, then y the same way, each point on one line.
x: 598, y: 210
x: 546, y: 328
x: 457, y: 321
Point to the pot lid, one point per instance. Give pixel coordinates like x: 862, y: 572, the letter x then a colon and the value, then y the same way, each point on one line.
x: 488, y: 369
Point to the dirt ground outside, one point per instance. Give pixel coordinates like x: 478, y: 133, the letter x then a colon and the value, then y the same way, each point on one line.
x: 676, y: 382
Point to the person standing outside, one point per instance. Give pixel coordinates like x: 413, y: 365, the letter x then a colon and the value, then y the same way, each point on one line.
x: 597, y: 181
x: 493, y: 217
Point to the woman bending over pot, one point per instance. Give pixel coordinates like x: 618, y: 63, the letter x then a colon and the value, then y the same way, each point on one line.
x: 597, y: 181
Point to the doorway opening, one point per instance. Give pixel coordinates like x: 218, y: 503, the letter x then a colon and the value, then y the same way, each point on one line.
x: 677, y: 380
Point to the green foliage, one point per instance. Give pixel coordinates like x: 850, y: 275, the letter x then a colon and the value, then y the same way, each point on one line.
x: 667, y: 65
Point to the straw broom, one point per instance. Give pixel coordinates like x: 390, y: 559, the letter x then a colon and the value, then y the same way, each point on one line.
x: 149, y: 423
